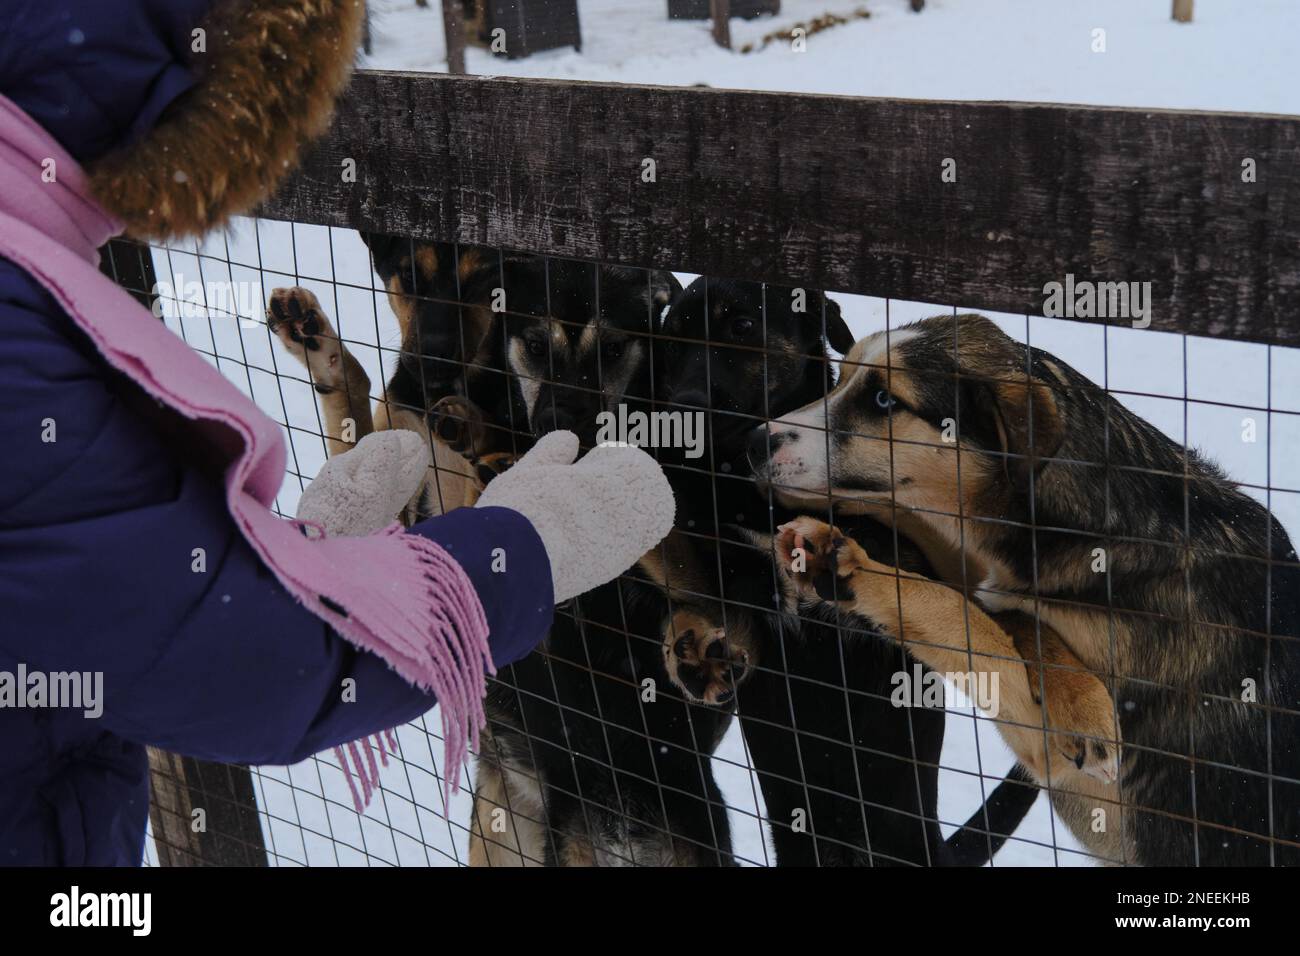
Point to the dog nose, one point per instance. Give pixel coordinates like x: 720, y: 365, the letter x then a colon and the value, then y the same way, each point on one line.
x: 693, y: 400
x: 431, y: 336
x: 757, y: 446
x: 764, y: 443
x: 554, y: 418
x: 435, y: 368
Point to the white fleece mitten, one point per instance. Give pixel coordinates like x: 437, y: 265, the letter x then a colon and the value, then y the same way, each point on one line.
x: 364, y: 489
x: 596, y: 517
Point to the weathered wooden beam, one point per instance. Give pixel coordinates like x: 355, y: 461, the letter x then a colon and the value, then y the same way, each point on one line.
x: 833, y: 192
x: 130, y: 265
x: 1183, y: 11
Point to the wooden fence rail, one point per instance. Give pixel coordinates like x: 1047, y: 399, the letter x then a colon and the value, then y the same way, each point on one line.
x: 973, y: 204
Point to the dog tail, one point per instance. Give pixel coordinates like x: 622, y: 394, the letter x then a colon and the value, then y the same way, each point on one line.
x: 984, y: 833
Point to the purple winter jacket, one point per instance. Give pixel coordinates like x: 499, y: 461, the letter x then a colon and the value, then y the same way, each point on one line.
x: 224, y: 665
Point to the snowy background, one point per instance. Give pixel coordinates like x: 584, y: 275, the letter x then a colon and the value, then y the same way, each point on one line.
x: 1235, y: 56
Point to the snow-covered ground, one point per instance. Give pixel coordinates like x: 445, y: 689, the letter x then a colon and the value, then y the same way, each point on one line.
x: 1234, y: 56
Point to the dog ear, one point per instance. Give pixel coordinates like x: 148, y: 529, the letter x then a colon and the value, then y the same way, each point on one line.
x: 382, y: 249
x: 837, y: 330
x: 1027, y: 419
x: 664, y: 287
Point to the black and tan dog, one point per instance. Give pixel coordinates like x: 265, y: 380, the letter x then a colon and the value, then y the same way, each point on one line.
x: 847, y: 777
x: 590, y: 756
x: 1093, y: 537
x: 450, y: 384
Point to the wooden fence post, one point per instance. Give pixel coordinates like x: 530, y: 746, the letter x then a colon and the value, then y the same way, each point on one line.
x: 721, y: 13
x: 203, y: 813
x: 231, y: 834
x: 453, y: 27
x: 1183, y: 11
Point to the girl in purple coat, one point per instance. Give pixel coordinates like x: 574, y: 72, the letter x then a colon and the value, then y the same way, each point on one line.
x: 127, y: 457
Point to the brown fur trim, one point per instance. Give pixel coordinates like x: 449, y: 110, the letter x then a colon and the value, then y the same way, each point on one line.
x: 268, y: 84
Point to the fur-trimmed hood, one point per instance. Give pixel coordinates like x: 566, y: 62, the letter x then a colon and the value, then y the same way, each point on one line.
x: 184, y: 112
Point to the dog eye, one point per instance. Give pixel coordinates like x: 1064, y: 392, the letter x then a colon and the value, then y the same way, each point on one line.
x: 884, y: 400
x: 613, y: 351
x: 742, y: 327
x: 536, y: 347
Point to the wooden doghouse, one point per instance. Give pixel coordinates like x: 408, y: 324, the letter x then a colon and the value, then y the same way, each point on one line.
x: 699, y: 9
x: 530, y: 25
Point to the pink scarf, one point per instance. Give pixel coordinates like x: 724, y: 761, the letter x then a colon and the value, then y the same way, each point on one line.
x: 394, y: 594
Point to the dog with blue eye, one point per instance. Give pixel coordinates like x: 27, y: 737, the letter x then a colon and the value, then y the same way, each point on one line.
x: 1122, y: 587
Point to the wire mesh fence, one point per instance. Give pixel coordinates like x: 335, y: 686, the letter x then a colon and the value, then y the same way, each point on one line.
x: 758, y: 691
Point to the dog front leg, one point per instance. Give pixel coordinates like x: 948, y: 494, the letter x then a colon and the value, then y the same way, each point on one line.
x: 708, y: 651
x: 953, y: 636
x: 296, y: 318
